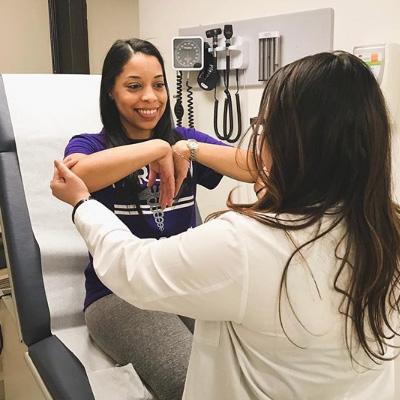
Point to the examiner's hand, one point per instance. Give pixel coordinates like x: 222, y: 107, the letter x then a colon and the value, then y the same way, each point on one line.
x: 66, y: 185
x: 181, y: 163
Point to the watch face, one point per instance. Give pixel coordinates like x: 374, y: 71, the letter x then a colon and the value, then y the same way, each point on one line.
x: 188, y: 53
x: 192, y: 144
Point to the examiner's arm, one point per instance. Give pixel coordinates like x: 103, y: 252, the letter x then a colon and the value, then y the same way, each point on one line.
x: 201, y: 273
x: 226, y: 160
x: 101, y: 169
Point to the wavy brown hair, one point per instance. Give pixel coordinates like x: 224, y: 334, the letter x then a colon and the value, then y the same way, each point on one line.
x: 324, y: 123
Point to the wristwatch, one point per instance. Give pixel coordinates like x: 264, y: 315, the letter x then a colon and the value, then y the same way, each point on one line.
x: 193, y: 147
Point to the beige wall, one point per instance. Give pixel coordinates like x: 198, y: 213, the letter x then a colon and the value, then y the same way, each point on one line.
x: 108, y: 21
x: 24, y: 37
x: 25, y: 33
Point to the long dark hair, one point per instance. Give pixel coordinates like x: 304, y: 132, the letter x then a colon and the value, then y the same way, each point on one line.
x: 324, y: 122
x: 118, y: 55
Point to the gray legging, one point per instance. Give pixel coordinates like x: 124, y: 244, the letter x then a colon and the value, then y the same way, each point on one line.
x: 157, y: 344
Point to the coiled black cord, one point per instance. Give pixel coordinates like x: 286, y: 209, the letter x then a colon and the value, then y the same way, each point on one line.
x: 178, y: 108
x: 190, y: 103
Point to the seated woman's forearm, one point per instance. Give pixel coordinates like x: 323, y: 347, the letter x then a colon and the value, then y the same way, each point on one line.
x: 101, y: 169
x: 226, y: 160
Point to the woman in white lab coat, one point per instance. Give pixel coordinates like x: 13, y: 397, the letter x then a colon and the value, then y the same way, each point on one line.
x: 297, y: 295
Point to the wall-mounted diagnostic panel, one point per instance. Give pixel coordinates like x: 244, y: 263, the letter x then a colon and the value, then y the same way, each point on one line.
x: 235, y: 54
x: 259, y: 46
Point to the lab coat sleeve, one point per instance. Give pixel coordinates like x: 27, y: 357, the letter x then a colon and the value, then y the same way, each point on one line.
x: 201, y: 273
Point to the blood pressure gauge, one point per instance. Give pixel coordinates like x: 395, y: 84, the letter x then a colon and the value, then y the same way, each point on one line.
x: 188, y: 53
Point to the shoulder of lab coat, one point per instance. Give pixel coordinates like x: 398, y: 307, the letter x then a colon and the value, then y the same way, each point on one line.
x: 201, y: 273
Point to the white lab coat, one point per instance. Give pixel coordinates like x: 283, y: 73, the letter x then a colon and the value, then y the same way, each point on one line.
x: 226, y: 274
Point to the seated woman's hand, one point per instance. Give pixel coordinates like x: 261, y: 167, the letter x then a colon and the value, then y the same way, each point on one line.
x: 164, y: 169
x: 181, y: 156
x: 71, y: 160
x: 66, y: 185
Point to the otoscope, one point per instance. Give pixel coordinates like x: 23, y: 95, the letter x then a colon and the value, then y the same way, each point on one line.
x: 208, y: 78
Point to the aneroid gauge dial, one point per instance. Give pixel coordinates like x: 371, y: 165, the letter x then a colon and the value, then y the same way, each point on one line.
x: 187, y: 53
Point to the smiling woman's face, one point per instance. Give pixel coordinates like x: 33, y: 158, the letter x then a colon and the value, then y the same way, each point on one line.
x: 140, y: 95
